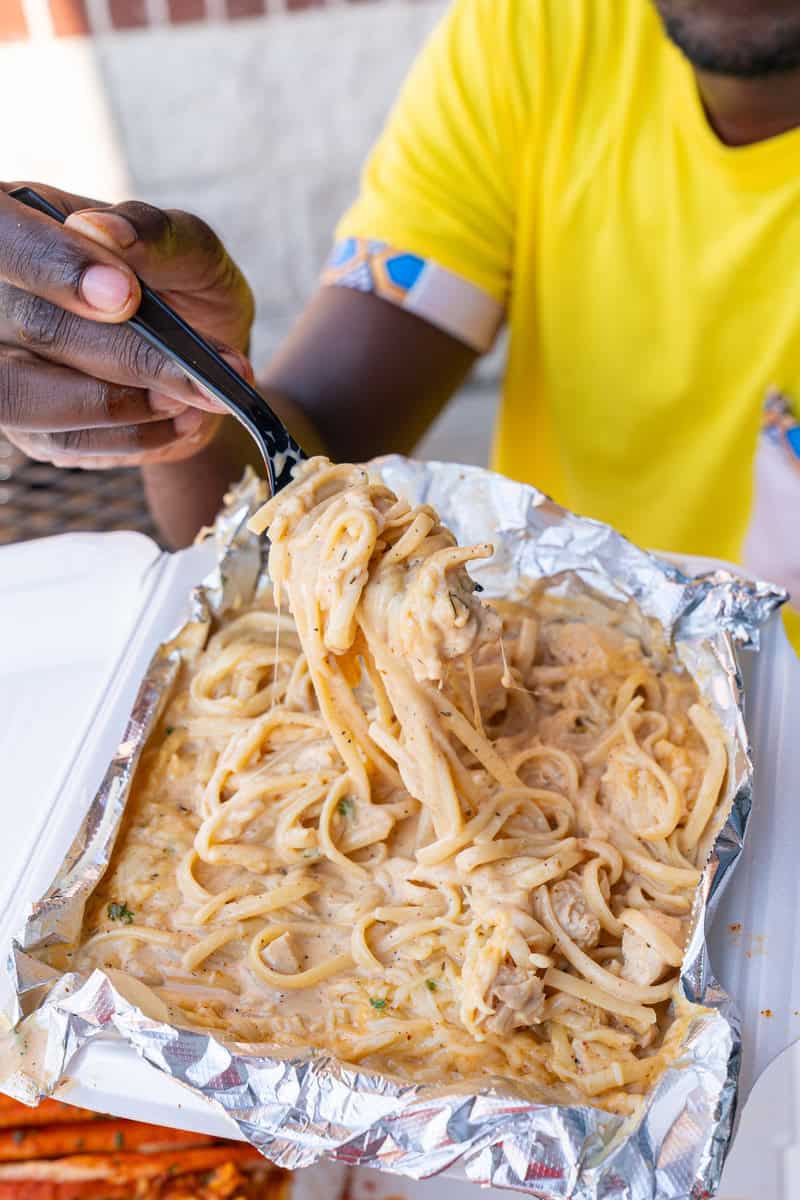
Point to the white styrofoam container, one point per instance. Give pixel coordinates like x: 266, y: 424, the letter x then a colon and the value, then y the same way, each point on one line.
x: 81, y: 615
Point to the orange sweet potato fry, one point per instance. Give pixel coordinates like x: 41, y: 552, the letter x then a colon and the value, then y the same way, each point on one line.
x: 225, y: 1183
x: 131, y: 1167
x: 14, y: 1115
x: 92, y: 1137
x: 59, y: 1152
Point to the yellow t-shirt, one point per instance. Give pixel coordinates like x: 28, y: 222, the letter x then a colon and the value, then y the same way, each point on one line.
x: 554, y: 157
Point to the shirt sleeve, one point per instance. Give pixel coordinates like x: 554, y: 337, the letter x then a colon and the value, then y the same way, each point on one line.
x: 433, y: 227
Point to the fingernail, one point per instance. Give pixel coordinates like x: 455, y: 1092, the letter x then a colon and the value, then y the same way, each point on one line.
x: 188, y: 422
x: 106, y: 288
x: 109, y: 229
x: 239, y: 363
x: 210, y: 402
x: 165, y: 406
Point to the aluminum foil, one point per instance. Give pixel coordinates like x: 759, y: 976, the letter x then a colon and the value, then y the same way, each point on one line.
x: 297, y: 1109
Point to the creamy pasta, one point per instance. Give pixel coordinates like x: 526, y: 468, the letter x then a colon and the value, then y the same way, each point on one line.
x: 448, y: 839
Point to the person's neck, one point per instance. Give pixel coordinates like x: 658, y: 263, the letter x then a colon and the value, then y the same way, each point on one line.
x: 742, y: 111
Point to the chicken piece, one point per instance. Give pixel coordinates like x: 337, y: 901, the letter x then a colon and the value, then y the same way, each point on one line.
x: 559, y: 729
x: 281, y: 957
x: 497, y: 995
x: 642, y: 963
x: 316, y: 756
x: 483, y: 958
x: 632, y: 794
x: 435, y: 614
x: 363, y: 825
x: 574, y: 915
x: 574, y: 643
x: 676, y: 761
x: 519, y: 998
x: 588, y: 1056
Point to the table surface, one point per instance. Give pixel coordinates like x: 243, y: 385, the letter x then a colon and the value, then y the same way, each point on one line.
x: 38, y: 500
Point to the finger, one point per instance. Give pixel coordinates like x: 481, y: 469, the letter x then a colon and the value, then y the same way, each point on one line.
x: 141, y: 441
x: 162, y: 245
x: 100, y: 449
x: 42, y: 396
x: 95, y: 451
x: 58, y: 264
x: 120, y: 439
x: 117, y: 354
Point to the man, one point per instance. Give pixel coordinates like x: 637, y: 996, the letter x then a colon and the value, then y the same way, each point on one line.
x: 626, y: 202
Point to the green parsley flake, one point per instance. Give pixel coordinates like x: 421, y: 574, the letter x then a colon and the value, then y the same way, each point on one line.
x: 345, y: 807
x: 120, y: 912
x: 376, y: 1003
x: 431, y: 985
x: 169, y: 729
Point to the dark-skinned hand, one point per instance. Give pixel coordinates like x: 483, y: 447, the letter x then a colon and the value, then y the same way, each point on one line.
x: 78, y: 388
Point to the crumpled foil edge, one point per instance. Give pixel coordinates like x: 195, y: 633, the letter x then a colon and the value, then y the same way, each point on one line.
x: 298, y: 1108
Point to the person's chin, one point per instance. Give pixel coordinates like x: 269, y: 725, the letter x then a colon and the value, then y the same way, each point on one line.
x: 746, y: 45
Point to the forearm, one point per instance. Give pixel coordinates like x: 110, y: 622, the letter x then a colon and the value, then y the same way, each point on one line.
x: 184, y: 496
x: 367, y: 375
